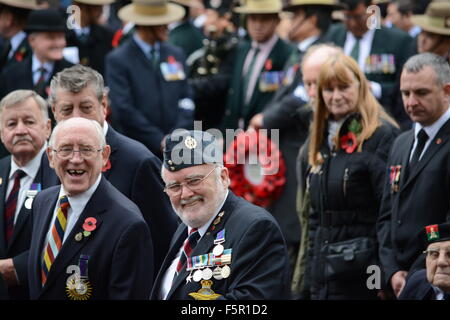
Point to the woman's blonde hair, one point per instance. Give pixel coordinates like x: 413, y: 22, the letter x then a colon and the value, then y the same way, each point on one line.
x: 339, y: 69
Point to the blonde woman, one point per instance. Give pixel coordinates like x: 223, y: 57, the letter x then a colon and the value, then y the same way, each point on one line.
x: 348, y: 145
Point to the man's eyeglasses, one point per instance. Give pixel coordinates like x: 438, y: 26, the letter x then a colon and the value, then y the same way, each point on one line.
x: 434, y: 253
x: 192, y: 184
x: 68, y: 152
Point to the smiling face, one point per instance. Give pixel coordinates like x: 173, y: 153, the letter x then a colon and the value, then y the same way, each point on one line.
x: 196, y: 207
x: 24, y: 130
x: 438, y: 265
x: 424, y: 100
x: 48, y: 46
x: 77, y: 173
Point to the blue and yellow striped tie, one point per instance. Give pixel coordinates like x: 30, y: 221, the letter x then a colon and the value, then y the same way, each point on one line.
x: 56, y: 238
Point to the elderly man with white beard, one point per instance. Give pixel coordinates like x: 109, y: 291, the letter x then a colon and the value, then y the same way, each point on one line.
x: 226, y: 248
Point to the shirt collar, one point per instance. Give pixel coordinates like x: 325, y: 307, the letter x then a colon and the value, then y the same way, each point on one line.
x: 17, y: 39
x: 433, y: 129
x: 305, y: 44
x: 79, y: 201
x: 36, y: 65
x: 202, y: 230
x: 80, y: 31
x: 366, y: 36
x: 105, y: 127
x: 32, y: 167
x: 145, y: 47
x: 438, y: 293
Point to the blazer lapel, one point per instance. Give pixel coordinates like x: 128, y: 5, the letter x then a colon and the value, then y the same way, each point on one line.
x: 111, y: 141
x: 404, y: 178
x: 4, y: 176
x: 94, y: 208
x: 439, y: 140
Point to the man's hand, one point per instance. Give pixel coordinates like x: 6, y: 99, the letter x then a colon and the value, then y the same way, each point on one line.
x: 8, y: 272
x: 256, y: 122
x: 398, y: 282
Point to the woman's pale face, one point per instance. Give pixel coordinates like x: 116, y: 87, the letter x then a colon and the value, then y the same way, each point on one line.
x: 341, y: 99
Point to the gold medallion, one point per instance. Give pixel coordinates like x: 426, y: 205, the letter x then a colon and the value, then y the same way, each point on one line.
x: 78, y: 290
x: 190, y: 142
x: 205, y: 293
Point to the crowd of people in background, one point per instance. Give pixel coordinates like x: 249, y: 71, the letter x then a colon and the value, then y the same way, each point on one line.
x: 109, y: 189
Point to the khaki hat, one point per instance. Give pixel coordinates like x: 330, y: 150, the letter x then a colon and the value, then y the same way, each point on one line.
x: 151, y: 12
x: 333, y: 4
x: 95, y: 2
x: 436, y: 19
x: 260, y: 6
x: 24, y: 4
x: 189, y: 3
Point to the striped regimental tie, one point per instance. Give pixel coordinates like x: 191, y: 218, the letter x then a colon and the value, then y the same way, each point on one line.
x: 55, y: 240
x: 188, y: 246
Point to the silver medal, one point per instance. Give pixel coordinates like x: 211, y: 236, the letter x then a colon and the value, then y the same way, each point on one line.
x: 207, y: 274
x: 218, y: 250
x: 225, y: 271
x: 29, y: 203
x: 198, y: 275
x: 217, y: 273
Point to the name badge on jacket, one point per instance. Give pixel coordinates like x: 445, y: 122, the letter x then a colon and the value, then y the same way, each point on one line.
x: 380, y: 63
x: 172, y: 70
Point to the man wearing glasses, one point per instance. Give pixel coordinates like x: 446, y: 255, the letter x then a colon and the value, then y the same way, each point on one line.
x: 379, y: 51
x: 89, y: 241
x: 226, y: 248
x: 432, y: 283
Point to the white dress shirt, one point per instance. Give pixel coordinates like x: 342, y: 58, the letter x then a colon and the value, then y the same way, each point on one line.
x: 31, y: 169
x: 166, y: 282
x: 36, y: 65
x: 15, y: 41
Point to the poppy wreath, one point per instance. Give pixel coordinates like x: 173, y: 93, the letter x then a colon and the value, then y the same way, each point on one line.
x: 269, y: 157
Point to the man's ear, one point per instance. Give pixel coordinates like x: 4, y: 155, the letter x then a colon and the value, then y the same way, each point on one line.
x: 50, y: 156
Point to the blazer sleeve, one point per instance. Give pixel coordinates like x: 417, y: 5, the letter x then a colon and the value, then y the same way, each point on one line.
x: 122, y: 103
x: 131, y: 275
x: 283, y: 113
x: 260, y: 265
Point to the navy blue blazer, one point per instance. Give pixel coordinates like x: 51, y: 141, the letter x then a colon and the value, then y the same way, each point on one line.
x: 259, y: 265
x: 20, y: 242
x: 417, y: 287
x: 136, y: 172
x: 146, y: 106
x: 120, y: 264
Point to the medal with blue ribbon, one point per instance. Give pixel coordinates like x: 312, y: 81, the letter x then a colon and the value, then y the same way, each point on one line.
x: 35, y: 188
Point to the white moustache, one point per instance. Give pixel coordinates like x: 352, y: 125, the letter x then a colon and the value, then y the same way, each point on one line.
x: 17, y: 140
x: 184, y: 202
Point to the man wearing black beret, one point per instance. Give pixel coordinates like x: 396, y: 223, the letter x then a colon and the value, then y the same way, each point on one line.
x: 432, y: 283
x: 226, y: 248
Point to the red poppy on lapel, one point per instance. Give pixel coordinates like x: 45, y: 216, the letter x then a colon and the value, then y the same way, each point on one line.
x: 268, y: 64
x: 90, y: 224
x: 349, y: 142
x: 20, y: 54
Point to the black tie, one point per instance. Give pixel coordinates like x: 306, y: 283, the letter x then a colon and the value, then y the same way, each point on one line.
x: 422, y: 138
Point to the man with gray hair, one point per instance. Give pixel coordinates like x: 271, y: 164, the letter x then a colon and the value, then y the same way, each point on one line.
x: 25, y: 128
x: 417, y: 186
x: 226, y: 248
x: 88, y: 240
x: 133, y: 169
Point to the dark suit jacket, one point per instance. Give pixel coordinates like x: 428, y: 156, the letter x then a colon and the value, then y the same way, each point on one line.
x: 187, y: 37
x: 19, y: 76
x: 92, y: 53
x: 259, y: 265
x: 146, y: 106
x: 136, y: 172
x: 22, y: 52
x: 417, y: 287
x: 20, y: 242
x: 236, y: 107
x: 385, y: 41
x: 120, y: 248
x: 421, y: 200
x: 3, y: 289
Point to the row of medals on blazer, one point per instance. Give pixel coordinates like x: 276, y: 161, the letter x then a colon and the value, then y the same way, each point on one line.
x: 199, y: 267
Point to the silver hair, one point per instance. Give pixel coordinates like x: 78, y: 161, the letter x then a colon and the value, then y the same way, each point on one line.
x: 95, y: 124
x: 75, y: 79
x: 440, y: 66
x: 19, y: 96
